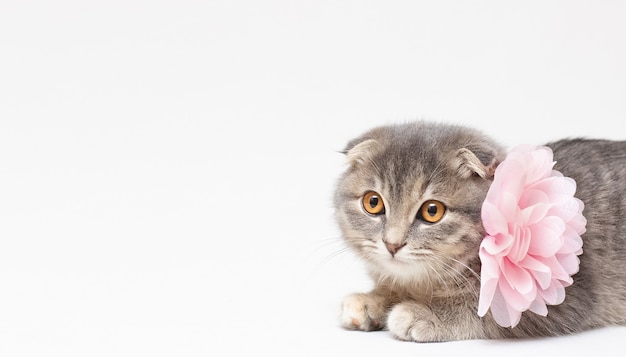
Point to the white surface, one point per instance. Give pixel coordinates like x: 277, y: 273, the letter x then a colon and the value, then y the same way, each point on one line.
x: 167, y: 167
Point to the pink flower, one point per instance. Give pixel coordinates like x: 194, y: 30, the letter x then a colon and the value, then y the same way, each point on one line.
x: 533, y: 224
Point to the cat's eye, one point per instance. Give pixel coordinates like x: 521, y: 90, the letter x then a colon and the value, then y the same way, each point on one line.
x: 432, y: 211
x: 373, y: 203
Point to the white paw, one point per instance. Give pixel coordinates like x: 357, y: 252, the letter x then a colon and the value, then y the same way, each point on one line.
x: 413, y: 322
x: 363, y: 312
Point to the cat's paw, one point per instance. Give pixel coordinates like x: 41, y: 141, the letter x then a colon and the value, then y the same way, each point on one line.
x: 413, y: 322
x: 364, y: 312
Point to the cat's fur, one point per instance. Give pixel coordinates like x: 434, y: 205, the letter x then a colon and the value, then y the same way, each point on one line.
x: 428, y: 289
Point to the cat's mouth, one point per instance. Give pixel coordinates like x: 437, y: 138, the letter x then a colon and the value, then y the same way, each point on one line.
x: 405, y: 261
x: 405, y: 268
x: 408, y: 256
x: 399, y: 259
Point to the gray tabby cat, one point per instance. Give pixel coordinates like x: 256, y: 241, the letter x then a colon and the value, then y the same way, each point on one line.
x: 409, y: 205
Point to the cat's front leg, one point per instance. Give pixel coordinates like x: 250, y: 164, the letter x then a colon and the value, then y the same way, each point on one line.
x: 366, y: 312
x: 412, y: 321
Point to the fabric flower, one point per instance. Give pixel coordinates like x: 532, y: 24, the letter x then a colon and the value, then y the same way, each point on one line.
x: 533, y: 224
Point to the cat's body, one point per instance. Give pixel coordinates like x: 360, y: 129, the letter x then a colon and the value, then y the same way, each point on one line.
x: 410, y: 206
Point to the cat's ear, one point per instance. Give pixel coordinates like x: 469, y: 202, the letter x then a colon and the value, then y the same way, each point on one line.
x: 362, y: 151
x: 477, y: 161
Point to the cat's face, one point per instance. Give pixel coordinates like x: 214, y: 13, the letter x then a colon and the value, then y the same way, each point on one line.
x: 409, y: 203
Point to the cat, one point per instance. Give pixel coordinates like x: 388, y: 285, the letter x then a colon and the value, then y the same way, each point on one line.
x: 409, y: 206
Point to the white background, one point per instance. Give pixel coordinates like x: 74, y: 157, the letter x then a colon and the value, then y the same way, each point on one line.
x: 167, y: 167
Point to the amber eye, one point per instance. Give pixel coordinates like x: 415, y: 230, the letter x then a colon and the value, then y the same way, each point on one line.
x: 432, y: 211
x: 373, y: 203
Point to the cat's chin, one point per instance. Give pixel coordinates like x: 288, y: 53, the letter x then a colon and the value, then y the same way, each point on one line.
x: 402, y: 270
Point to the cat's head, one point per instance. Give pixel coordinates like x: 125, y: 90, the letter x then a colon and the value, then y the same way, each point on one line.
x: 409, y: 203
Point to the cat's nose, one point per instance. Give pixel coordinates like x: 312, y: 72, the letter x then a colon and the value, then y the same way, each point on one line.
x: 393, y: 248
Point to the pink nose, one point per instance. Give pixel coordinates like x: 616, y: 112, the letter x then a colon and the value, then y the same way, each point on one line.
x: 393, y: 248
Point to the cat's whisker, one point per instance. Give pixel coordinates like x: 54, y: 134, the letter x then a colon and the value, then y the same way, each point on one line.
x: 440, y: 279
x: 475, y: 274
x: 445, y: 269
x: 327, y: 250
x: 457, y: 276
x: 327, y: 242
x: 335, y: 254
x: 469, y: 282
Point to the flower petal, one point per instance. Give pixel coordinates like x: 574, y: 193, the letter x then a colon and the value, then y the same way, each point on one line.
x: 568, y: 209
x: 511, y: 178
x: 578, y: 222
x: 493, y: 220
x: 497, y: 245
x: 542, y: 163
x: 540, y: 272
x: 502, y: 313
x: 558, y: 273
x: 535, y: 213
x: 546, y: 237
x: 521, y: 243
x: 539, y: 307
x: 569, y: 262
x: 556, y: 187
x: 572, y: 243
x: 554, y: 294
x: 487, y: 291
x: 532, y: 197
x: 518, y: 280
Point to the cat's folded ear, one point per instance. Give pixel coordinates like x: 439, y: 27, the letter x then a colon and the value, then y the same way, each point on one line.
x: 477, y: 160
x: 360, y: 151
